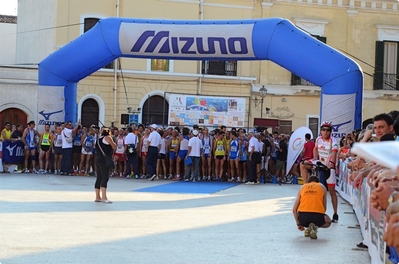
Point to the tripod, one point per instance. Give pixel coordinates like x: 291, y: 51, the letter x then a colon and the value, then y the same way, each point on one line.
x: 267, y: 175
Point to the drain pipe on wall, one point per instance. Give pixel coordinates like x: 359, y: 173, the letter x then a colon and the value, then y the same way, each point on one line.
x: 115, y: 70
x: 201, y: 7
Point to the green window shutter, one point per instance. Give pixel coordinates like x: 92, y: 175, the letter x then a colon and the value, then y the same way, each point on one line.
x: 379, y: 65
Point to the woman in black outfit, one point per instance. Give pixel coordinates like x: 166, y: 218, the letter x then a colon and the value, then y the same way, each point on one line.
x: 108, y: 146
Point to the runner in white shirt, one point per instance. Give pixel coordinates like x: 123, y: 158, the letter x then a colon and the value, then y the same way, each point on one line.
x: 326, y: 149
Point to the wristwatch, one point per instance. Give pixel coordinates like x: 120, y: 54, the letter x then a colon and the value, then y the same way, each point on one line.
x: 391, y: 197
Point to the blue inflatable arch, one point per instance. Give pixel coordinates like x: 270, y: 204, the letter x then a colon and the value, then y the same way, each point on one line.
x: 272, y: 39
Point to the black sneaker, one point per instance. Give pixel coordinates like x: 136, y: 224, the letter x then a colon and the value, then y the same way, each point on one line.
x: 335, y: 218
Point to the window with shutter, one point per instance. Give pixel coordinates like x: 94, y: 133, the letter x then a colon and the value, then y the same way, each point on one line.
x: 217, y: 67
x: 386, y: 70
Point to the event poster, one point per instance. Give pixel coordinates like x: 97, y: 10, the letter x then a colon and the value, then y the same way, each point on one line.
x: 187, y: 110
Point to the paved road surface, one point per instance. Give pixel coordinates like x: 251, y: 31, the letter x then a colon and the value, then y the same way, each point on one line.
x: 54, y: 219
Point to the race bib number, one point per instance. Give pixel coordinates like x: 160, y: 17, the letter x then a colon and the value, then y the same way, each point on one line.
x: 45, y: 141
x: 206, y: 149
x: 76, y: 143
x: 220, y: 148
x: 88, y: 144
x: 233, y: 148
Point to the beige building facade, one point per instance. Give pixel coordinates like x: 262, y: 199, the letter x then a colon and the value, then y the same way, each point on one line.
x: 352, y: 27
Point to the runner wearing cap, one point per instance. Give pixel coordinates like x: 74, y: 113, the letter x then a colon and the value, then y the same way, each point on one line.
x: 325, y: 150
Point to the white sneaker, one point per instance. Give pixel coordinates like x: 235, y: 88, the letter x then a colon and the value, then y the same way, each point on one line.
x: 209, y: 178
x: 152, y: 177
x: 249, y: 183
x: 204, y: 178
x: 238, y: 179
x: 35, y: 171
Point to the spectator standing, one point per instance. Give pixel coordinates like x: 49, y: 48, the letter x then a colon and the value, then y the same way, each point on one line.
x: 131, y: 149
x: 68, y: 134
x: 194, y: 153
x: 282, y: 153
x: 307, y: 154
x: 253, y: 156
x: 107, y: 145
x: 154, y: 145
x: 17, y: 134
x: 6, y: 135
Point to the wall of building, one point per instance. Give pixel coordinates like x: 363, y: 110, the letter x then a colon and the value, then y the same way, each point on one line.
x: 8, y: 33
x: 35, y: 30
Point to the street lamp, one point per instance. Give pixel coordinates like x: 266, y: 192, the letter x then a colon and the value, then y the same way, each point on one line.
x: 262, y: 92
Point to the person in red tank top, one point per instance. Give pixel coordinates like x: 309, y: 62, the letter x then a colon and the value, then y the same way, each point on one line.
x: 307, y: 154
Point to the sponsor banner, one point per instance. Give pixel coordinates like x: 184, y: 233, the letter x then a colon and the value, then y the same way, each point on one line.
x: 171, y: 40
x: 13, y: 152
x: 295, y: 146
x: 187, y: 110
x: 50, y: 105
x: 340, y: 110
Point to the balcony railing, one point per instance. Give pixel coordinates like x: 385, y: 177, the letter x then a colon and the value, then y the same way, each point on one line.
x: 296, y: 80
x: 389, y: 82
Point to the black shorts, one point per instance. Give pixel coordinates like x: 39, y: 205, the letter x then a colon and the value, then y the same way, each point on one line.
x: 57, y: 150
x: 77, y: 149
x: 45, y: 148
x: 306, y: 218
x: 219, y: 157
x: 162, y: 156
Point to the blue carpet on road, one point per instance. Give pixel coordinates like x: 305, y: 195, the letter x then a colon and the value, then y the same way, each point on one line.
x: 190, y: 187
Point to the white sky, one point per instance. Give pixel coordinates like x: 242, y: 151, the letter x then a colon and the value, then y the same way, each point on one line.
x: 8, y: 7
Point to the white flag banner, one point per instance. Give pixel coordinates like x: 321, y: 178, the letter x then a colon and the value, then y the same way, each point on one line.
x: 295, y: 146
x: 340, y: 110
x: 50, y: 105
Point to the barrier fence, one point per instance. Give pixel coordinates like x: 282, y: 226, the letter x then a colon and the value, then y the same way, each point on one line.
x: 372, y: 222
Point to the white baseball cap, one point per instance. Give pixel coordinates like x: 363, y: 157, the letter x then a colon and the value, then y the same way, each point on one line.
x: 154, y: 126
x: 195, y: 132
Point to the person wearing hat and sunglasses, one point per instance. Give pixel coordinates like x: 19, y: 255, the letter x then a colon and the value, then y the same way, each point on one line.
x: 325, y: 150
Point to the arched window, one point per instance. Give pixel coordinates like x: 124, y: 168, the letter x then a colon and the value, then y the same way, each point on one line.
x: 155, y: 111
x: 90, y: 112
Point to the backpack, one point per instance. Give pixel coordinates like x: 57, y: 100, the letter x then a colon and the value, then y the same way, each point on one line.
x: 131, y: 149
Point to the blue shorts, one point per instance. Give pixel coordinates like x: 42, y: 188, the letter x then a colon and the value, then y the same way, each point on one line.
x: 182, y: 154
x: 207, y: 155
x: 172, y: 155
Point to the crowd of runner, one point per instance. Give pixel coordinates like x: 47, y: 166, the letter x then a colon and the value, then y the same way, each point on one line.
x: 226, y: 154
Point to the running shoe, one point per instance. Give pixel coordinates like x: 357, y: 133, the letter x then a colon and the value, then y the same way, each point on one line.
x: 307, y: 232
x: 152, y: 177
x: 335, y: 218
x: 313, y: 231
x: 128, y: 177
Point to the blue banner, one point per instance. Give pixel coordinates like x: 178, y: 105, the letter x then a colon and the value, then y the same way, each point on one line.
x: 13, y: 152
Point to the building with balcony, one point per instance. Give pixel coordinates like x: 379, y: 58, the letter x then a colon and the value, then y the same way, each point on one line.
x: 366, y: 31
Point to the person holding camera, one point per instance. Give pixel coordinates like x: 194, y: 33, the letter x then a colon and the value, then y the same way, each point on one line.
x: 106, y: 146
